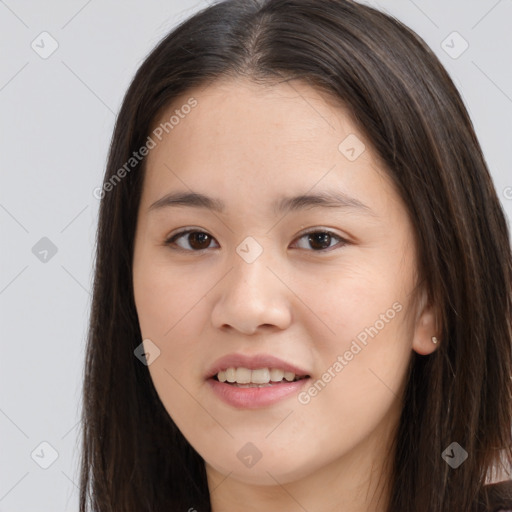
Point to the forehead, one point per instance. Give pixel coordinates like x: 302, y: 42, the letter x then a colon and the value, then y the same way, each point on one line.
x: 259, y: 139
x: 241, y: 114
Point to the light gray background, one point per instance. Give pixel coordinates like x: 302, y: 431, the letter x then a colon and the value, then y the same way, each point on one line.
x: 57, y: 116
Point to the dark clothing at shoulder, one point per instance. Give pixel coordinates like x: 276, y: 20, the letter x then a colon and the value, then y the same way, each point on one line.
x: 499, y: 497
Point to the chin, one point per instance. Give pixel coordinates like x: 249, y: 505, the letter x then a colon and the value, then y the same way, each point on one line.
x: 270, y: 469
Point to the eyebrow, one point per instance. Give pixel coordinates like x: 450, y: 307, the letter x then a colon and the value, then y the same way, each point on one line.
x: 324, y: 199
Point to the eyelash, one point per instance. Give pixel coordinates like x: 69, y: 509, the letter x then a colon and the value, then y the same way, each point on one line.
x: 171, y: 241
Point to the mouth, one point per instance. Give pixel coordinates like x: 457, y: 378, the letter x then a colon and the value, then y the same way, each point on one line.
x: 255, y: 381
x: 258, y: 378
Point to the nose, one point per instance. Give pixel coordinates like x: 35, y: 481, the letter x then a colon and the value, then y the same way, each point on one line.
x: 251, y: 297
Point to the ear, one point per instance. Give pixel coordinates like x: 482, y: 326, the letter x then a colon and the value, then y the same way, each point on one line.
x: 425, y: 328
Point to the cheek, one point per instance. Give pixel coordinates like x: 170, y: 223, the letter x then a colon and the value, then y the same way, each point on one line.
x: 363, y: 357
x: 172, y: 318
x: 354, y: 302
x: 171, y: 313
x: 164, y: 296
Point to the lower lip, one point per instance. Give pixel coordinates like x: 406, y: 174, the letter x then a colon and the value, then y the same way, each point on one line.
x: 252, y: 398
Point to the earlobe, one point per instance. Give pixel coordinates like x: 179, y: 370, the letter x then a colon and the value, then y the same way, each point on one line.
x: 426, y: 333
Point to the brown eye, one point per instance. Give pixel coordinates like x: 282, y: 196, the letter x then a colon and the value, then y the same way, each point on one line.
x: 196, y: 240
x: 320, y: 241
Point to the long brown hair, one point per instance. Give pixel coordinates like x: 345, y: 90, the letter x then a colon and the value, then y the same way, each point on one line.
x: 404, y: 102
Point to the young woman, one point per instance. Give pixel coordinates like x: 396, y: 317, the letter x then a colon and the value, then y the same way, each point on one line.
x: 302, y: 297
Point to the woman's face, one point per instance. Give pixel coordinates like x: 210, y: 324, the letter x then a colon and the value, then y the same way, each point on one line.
x: 266, y: 284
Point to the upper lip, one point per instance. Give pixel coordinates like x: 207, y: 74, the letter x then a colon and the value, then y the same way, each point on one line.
x: 253, y: 362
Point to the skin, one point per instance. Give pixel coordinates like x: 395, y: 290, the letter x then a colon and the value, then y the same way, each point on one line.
x: 248, y: 145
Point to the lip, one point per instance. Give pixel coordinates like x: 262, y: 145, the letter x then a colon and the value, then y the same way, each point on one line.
x: 253, y: 363
x: 253, y: 398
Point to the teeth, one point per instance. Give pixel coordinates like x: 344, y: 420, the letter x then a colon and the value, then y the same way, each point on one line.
x: 259, y: 376
x: 276, y: 375
x: 243, y: 376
